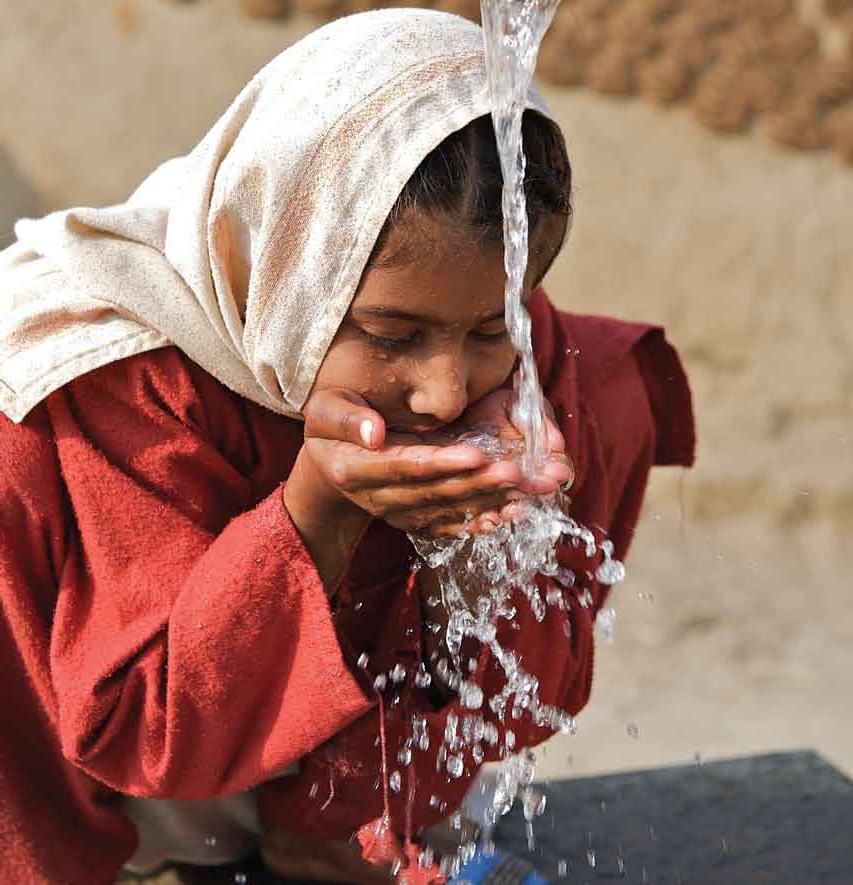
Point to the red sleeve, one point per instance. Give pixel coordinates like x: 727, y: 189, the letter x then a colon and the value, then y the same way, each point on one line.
x: 191, y: 634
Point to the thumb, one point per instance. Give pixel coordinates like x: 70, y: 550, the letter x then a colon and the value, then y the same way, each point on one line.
x: 344, y: 416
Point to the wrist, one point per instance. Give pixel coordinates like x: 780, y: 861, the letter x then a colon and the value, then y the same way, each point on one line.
x: 312, y: 500
x: 330, y: 524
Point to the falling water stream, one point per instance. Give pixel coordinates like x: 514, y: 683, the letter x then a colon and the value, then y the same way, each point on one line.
x: 512, y: 31
x: 481, y: 576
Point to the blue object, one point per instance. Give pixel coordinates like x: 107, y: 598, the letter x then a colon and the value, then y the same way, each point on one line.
x: 499, y: 868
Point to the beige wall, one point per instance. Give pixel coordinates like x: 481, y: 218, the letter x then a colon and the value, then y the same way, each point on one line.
x: 741, y: 249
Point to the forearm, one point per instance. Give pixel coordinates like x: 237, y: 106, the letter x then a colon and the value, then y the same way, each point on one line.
x: 330, y: 526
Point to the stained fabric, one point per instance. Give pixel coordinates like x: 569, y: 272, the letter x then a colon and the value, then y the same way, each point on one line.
x: 223, y: 252
x: 164, y: 632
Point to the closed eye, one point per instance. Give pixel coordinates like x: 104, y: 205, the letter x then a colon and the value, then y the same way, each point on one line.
x: 490, y: 337
x: 390, y: 344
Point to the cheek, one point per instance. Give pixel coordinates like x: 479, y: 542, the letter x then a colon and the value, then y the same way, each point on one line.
x: 351, y: 365
x: 490, y: 370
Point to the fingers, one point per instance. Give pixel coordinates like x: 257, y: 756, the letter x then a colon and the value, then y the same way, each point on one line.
x: 342, y: 415
x: 556, y: 443
x: 353, y: 468
x: 459, y: 488
x: 479, y: 513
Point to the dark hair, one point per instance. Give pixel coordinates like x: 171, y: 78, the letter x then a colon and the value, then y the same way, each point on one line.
x: 461, y: 178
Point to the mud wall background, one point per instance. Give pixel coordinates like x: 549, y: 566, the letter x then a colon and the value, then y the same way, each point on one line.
x: 735, y: 629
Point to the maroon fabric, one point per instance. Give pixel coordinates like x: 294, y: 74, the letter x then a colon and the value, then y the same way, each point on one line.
x: 164, y: 631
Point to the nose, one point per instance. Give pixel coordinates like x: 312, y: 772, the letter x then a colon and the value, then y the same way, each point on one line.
x: 440, y: 390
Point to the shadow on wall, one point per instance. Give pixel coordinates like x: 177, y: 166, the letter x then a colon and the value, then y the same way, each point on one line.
x: 18, y: 198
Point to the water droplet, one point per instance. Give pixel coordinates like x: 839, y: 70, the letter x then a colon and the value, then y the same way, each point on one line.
x: 240, y: 878
x: 509, y: 739
x: 404, y: 757
x: 395, y: 781
x: 380, y: 682
x: 478, y: 754
x: 610, y: 572
x: 633, y: 730
x: 455, y: 766
x: 554, y: 597
x: 397, y: 673
x: 471, y: 696
x: 605, y: 621
x: 423, y: 678
x: 358, y: 606
x: 562, y: 869
x: 433, y: 801
x: 363, y: 658
x: 312, y: 793
x: 210, y: 841
x: 620, y: 864
x: 590, y: 857
x: 697, y: 758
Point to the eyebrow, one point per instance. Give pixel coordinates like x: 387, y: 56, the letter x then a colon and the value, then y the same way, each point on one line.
x: 393, y: 313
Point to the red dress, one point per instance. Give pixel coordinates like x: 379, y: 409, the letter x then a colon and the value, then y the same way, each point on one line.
x: 164, y: 632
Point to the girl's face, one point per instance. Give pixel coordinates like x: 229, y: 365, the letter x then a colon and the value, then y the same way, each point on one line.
x: 424, y: 339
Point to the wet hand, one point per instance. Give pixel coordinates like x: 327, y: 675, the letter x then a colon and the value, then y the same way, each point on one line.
x: 440, y: 490
x: 494, y: 414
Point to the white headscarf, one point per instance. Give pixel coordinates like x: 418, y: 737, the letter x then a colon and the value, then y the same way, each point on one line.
x: 247, y: 252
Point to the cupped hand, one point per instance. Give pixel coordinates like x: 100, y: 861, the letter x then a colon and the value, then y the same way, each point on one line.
x: 434, y: 489
x: 493, y: 415
x: 439, y: 490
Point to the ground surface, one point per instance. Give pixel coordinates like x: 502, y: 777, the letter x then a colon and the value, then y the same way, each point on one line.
x: 735, y: 630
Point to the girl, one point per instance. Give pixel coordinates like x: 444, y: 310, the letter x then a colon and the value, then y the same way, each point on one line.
x: 218, y: 404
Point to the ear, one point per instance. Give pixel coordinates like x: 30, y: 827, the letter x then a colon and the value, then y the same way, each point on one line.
x: 233, y: 266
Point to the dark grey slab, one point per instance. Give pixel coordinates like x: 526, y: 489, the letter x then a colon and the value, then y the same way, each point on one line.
x: 785, y: 818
